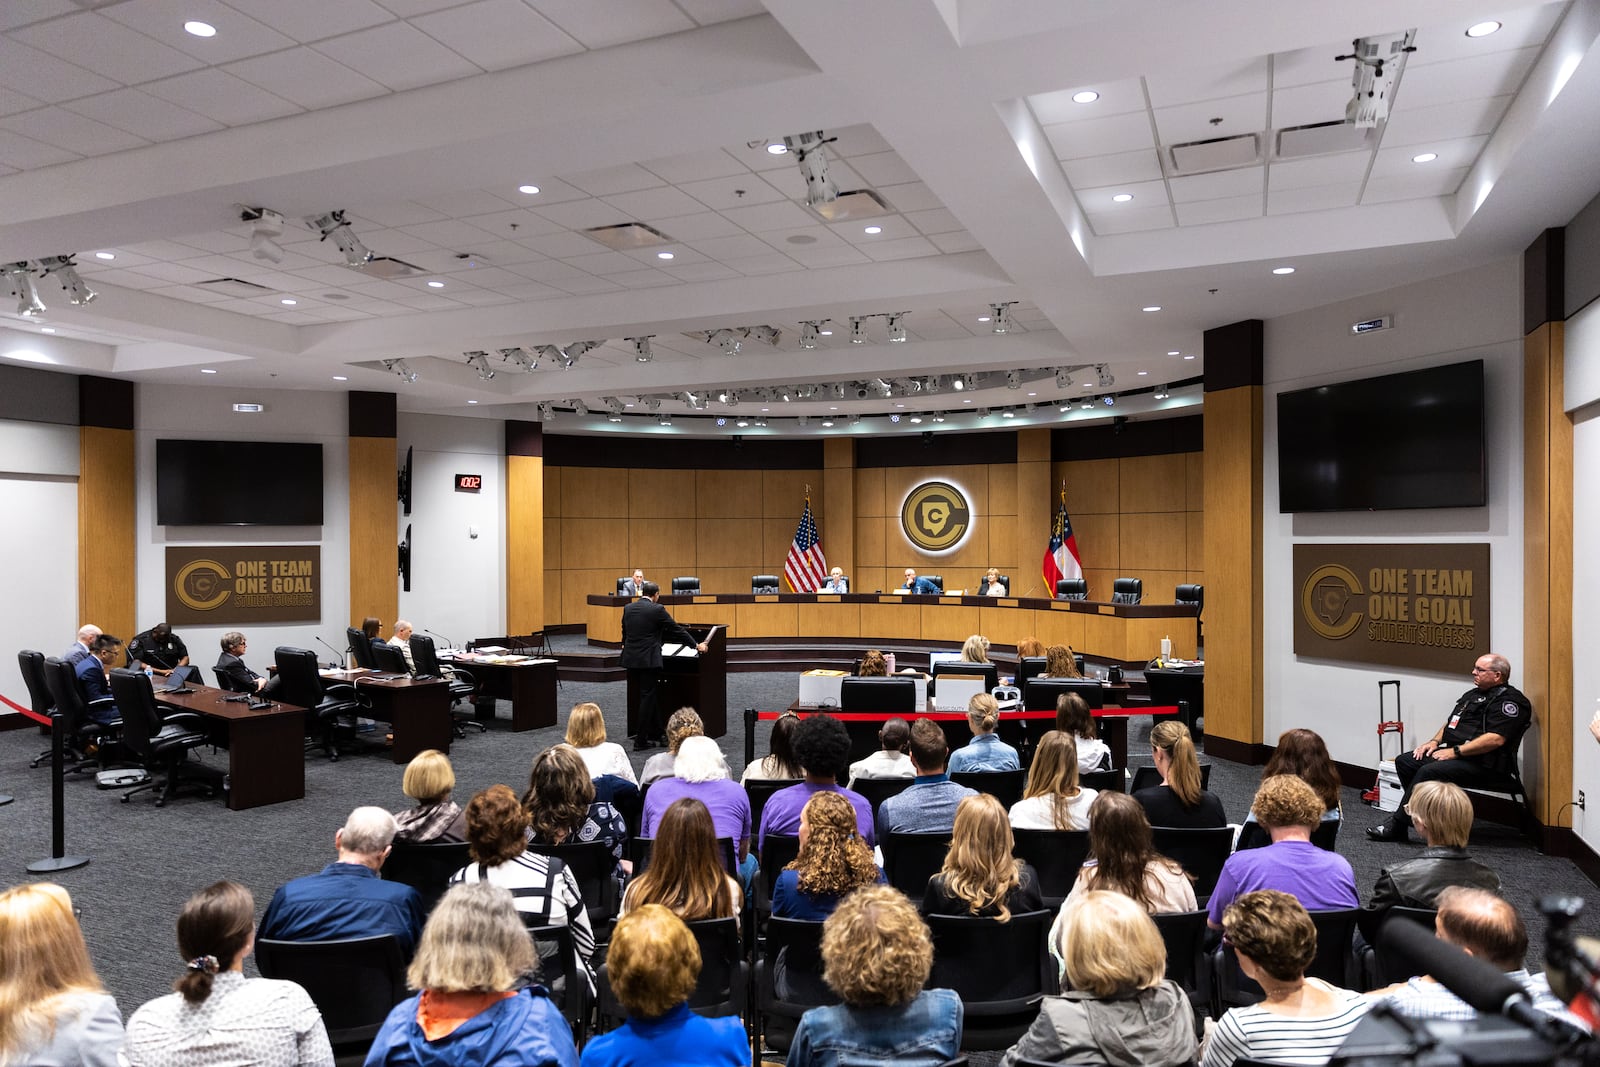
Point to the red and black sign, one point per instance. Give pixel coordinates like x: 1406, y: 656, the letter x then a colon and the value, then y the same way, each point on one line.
x: 469, y: 483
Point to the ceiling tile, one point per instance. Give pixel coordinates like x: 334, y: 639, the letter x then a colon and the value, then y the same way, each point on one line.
x: 487, y: 277
x: 1196, y: 122
x: 238, y: 35
x: 1149, y: 218
x: 858, y: 140
x: 702, y: 227
x: 504, y: 253
x: 1246, y: 181
x: 960, y: 241
x: 460, y: 203
x: 1489, y: 74
x: 804, y: 237
x: 514, y: 224
x: 1141, y: 166
x: 879, y: 168
x: 903, y: 248
x: 695, y: 166
x: 622, y: 179
x: 14, y: 13
x: 532, y: 291
x: 1306, y: 66
x: 75, y: 133
x: 780, y: 216
x: 1116, y: 98
x: 1302, y: 105
x: 707, y: 12
x: 664, y: 202
x: 737, y: 191
x: 1145, y: 195
x: 938, y: 220
x: 544, y: 270
x: 1176, y: 84
x: 561, y: 245
x: 581, y: 284
x: 1225, y: 209
x: 583, y: 214
x: 603, y: 263
x: 497, y: 34
x: 1412, y: 186
x: 26, y: 153
x: 129, y: 279
x: 1467, y: 118
x: 41, y: 75
x: 306, y: 77
x: 615, y: 21
x: 401, y: 213
x: 772, y: 263
x: 1318, y: 170
x: 176, y: 272
x: 12, y: 102
x: 143, y: 115
x: 701, y: 272
x: 106, y: 47
x: 163, y: 251
x: 1520, y: 28
x: 1101, y: 137
x: 1396, y: 162
x: 220, y: 96
x: 313, y: 20
x: 815, y: 257
x: 911, y: 196
x: 889, y: 227
x: 409, y: 8
x: 397, y: 56
x: 450, y: 234
x: 727, y: 248
x: 682, y: 255
x: 642, y: 279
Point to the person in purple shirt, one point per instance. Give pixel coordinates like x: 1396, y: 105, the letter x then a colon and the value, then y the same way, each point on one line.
x: 700, y: 772
x: 1289, y: 809
x: 822, y: 745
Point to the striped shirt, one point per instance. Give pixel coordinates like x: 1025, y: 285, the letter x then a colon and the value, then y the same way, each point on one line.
x: 1421, y: 998
x: 541, y: 900
x: 1257, y: 1033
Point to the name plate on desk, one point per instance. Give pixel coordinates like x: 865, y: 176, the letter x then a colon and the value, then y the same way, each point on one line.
x: 893, y: 598
x: 705, y: 599
x: 766, y: 598
x: 1106, y: 609
x: 828, y: 598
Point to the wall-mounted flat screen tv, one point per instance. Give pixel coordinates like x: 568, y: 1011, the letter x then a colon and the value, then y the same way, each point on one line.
x: 238, y: 483
x: 1409, y: 440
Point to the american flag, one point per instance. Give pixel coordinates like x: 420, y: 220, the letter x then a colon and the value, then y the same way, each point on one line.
x: 1061, y: 559
x: 806, y: 568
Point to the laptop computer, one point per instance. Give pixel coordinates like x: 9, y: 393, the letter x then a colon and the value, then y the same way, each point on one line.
x: 173, y: 683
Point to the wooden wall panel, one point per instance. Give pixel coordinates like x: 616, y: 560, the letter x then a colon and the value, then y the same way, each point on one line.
x: 729, y: 542
x: 526, y: 551
x: 1004, y: 627
x: 1055, y: 627
x: 1037, y: 496
x: 592, y: 544
x: 872, y: 533
x: 663, y: 547
x: 662, y: 494
x: 828, y: 619
x: 374, y: 530
x: 839, y: 503
x: 594, y: 492
x: 1233, y: 554
x: 106, y: 541
x: 870, y: 499
x: 728, y: 494
x: 777, y: 620
x: 1154, y: 483
x: 896, y: 620
x: 950, y: 622
x: 1196, y: 498
x: 729, y: 579
x: 552, y: 491
x: 776, y: 537
x: 1092, y: 486
x: 783, y: 494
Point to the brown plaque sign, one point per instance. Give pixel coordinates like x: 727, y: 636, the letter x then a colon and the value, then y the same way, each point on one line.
x: 234, y: 585
x: 1417, y: 605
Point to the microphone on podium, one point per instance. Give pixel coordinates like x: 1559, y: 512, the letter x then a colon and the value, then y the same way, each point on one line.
x: 338, y: 658
x: 441, y: 637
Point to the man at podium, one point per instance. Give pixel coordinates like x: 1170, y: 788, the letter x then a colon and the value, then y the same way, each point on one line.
x: 646, y: 626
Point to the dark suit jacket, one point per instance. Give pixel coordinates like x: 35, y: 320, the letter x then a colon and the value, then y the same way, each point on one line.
x: 241, y: 679
x: 645, y: 625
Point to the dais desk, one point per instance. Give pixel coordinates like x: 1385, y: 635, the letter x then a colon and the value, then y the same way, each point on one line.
x: 266, y: 748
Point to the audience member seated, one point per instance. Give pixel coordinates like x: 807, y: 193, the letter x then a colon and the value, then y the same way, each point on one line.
x: 1442, y: 813
x: 779, y: 764
x: 985, y: 752
x: 1289, y: 810
x: 975, y: 649
x: 1059, y: 662
x: 217, y: 1014
x: 1178, y: 800
x: 1303, y: 754
x: 1484, y: 925
x: 1074, y: 717
x: 401, y: 639
x: 1053, y: 799
x: 685, y: 722
x: 653, y: 965
x: 347, y: 898
x: 876, y: 954
x: 1117, y: 1005
x: 562, y: 809
x: 991, y: 584
x: 82, y: 646
x: 835, y: 582
x: 473, y: 1005
x: 700, y: 772
x: 53, y: 1009
x: 686, y: 873
x: 833, y: 861
x: 1123, y: 860
x: 890, y: 761
x: 874, y: 664
x: 163, y: 653
x: 93, y: 673
x: 1029, y: 646
x: 928, y: 804
x: 920, y: 586
x: 1302, y: 1020
x: 980, y: 876
x: 822, y: 745
x: 429, y: 780
x: 586, y: 732
x: 544, y: 889
x: 372, y: 629
x: 242, y: 679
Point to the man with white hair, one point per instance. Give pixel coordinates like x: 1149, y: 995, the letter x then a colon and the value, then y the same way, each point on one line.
x: 83, y: 646
x: 347, y: 898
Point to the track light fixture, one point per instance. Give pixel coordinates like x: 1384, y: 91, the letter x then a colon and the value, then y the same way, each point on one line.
x: 550, y: 352
x: 580, y: 407
x: 767, y: 335
x: 65, y: 271
x: 938, y: 416
x: 521, y: 357
x: 266, y: 226
x: 1000, y: 318
x: 1106, y: 378
x: 808, y: 335
x: 571, y: 353
x: 858, y: 330
x: 613, y: 416
x: 664, y: 420
x: 333, y: 226
x: 983, y: 413
x: 827, y: 420
x: 479, y: 361
x: 897, y: 327
x: 20, y: 278
x: 884, y: 387
x: 1087, y: 404
x: 808, y: 153
x: 400, y: 368
x: 742, y: 421
x: 916, y: 420
x: 761, y: 422
x: 1161, y: 392
x: 547, y: 412
x: 613, y: 407
x: 652, y: 404
x: 730, y: 341
x: 1008, y: 413
x: 958, y: 383
x: 1013, y: 379
x: 1063, y: 378
x: 641, y: 348
x: 729, y: 397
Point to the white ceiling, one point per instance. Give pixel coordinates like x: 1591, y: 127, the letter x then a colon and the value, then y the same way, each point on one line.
x: 122, y: 134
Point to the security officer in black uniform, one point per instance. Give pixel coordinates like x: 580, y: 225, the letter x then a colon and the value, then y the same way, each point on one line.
x: 163, y: 652
x: 1476, y: 747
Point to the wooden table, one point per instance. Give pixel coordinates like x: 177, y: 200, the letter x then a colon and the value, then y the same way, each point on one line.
x: 418, y: 709
x: 266, y: 747
x: 530, y: 685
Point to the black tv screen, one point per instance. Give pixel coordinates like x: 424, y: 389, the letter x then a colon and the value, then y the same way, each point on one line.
x: 1409, y: 440
x: 238, y: 483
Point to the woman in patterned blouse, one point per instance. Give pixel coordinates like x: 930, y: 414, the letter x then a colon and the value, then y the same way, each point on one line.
x: 561, y: 806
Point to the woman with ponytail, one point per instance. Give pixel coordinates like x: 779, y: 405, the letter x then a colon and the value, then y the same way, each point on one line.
x: 1178, y: 800
x: 217, y: 1015
x: 985, y: 752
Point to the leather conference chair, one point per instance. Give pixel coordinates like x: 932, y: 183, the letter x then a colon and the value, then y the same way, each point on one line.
x: 1127, y: 590
x: 621, y: 586
x: 360, y: 648
x: 41, y: 703
x: 160, y: 746
x: 764, y: 583
x: 330, y: 709
x: 73, y: 710
x: 936, y: 579
x: 1072, y: 589
x: 686, y: 586
x: 462, y: 685
x: 1000, y: 970
x: 1190, y: 594
x: 390, y: 660
x: 983, y: 584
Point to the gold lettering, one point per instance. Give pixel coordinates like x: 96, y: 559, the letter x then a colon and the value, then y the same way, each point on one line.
x: 1461, y: 583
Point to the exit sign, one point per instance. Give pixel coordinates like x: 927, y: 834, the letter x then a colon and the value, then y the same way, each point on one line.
x: 469, y: 483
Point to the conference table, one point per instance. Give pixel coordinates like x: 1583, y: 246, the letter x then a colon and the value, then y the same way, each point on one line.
x: 418, y: 709
x: 529, y: 684
x: 266, y: 746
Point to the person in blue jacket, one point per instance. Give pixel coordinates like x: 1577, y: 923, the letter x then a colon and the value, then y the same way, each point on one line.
x: 474, y: 1004
x: 653, y: 965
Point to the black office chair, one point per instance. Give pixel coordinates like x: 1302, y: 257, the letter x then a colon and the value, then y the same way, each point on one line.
x: 31, y: 665
x: 760, y: 790
x: 1000, y: 970
x: 1334, y: 962
x: 1325, y: 835
x: 983, y: 584
x: 724, y: 975
x: 936, y: 579
x: 640, y: 848
x: 360, y: 648
x: 1111, y: 781
x: 1379, y: 966
x: 877, y: 790
x: 1184, y: 934
x: 560, y: 969
x: 354, y: 982
x: 425, y: 866
x: 390, y: 660
x: 1147, y: 777
x: 1057, y: 856
x: 1176, y: 687
x: 462, y: 685
x: 1127, y: 590
x: 1004, y: 786
x: 330, y: 709
x: 622, y: 584
x: 1200, y: 851
x: 160, y: 746
x: 592, y: 865
x: 990, y: 672
x: 777, y: 852
x: 1041, y: 694
x: 1030, y: 667
x: 1072, y: 589
x: 910, y: 860
x: 796, y: 945
x: 73, y: 710
x: 763, y: 584
x: 1190, y: 594
x: 686, y: 586
x: 897, y: 694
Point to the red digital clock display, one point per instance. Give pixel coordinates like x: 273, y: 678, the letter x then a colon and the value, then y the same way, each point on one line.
x: 469, y: 483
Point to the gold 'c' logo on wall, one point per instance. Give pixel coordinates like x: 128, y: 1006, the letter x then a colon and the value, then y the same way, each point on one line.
x: 935, y: 516
x: 1329, y: 600
x: 202, y: 584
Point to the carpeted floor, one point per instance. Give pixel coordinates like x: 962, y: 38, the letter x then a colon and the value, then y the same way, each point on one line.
x: 145, y: 861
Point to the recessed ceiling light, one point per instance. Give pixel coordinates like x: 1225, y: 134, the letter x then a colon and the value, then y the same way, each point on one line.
x: 436, y: 285
x: 1143, y: 373
x: 967, y: 401
x: 1173, y: 352
x: 1152, y: 307
x: 200, y: 29
x: 1122, y: 198
x: 340, y: 378
x: 472, y: 401
x: 1482, y: 29
x: 289, y: 302
x: 1283, y: 270
x: 983, y: 318
x: 833, y: 409
x: 1085, y: 96
x: 207, y: 370
x: 528, y: 189
x: 874, y: 229
x: 1088, y: 385
x: 1030, y: 394
x: 777, y: 148
x: 47, y: 329
x: 105, y: 255
x: 824, y: 333
x: 663, y: 255
x: 1425, y: 157
x: 1188, y: 357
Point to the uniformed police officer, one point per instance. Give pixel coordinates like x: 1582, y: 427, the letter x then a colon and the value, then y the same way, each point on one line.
x: 1477, y: 745
x: 163, y: 652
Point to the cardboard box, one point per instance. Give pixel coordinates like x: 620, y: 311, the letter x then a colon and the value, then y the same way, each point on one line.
x: 1388, y: 787
x: 820, y: 688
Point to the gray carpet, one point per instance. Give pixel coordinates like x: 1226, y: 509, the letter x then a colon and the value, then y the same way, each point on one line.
x: 146, y: 861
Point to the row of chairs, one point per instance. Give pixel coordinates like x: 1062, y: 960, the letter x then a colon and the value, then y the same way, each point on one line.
x: 389, y: 659
x: 1123, y: 590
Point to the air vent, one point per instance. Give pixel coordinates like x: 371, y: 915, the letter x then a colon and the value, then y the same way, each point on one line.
x: 234, y: 287
x: 628, y: 235
x: 855, y: 204
x: 386, y: 267
x: 1220, y: 153
x: 1322, y: 138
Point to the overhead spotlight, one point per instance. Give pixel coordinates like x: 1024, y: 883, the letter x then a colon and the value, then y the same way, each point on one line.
x: 1087, y: 404
x: 1000, y: 321
x: 580, y: 407
x: 761, y: 422
x: 728, y: 340
x: 1106, y: 378
x: 333, y: 226
x: 808, y: 335
x: 665, y: 419
x: 1161, y: 392
x: 837, y: 389
x: 521, y: 357
x: 932, y: 383
x: 767, y: 335
x: 722, y: 420
x: 613, y: 416
x: 729, y: 397
x: 641, y: 348
x: 65, y: 271
x: 550, y: 352
x: 1008, y: 413
x: 858, y: 330
x: 983, y: 413
x: 265, y: 225
x: 479, y: 361
x: 613, y: 407
x: 1013, y: 379
x: 573, y: 352
x: 855, y: 420
x: 938, y: 416
x: 785, y: 394
x: 806, y: 392
x: 897, y: 327
x: 958, y: 383
x: 401, y: 368
x: 827, y: 420
x: 808, y: 152
x: 885, y: 388
x: 652, y: 403
x: 1063, y: 378
x: 916, y: 420
x: 742, y: 421
x: 894, y: 418
x: 20, y: 278
x: 1109, y: 400
x: 803, y: 421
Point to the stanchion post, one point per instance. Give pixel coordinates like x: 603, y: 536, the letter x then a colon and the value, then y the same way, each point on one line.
x: 749, y: 736
x: 58, y: 860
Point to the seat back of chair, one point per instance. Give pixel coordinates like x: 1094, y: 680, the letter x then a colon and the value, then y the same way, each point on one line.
x: 1004, y: 786
x: 877, y: 790
x: 557, y: 958
x: 1057, y: 855
x: 1184, y: 934
x: 1113, y: 780
x: 63, y: 685
x: 799, y: 943
x: 424, y: 656
x: 897, y: 694
x: 991, y: 965
x: 136, y: 704
x: 777, y: 852
x: 1127, y: 590
x: 687, y: 585
x: 354, y: 983
x: 1335, y: 962
x: 764, y: 583
x: 1147, y: 776
x: 425, y: 867
x: 1041, y: 694
x: 31, y: 664
x: 360, y: 648
x: 1190, y: 594
x: 1201, y: 852
x: 640, y: 849
x: 760, y: 790
x: 909, y: 860
x: 989, y: 671
x: 1326, y: 835
x: 390, y: 660
x: 721, y: 985
x: 1072, y: 589
x: 1389, y: 967
x: 299, y: 680
x: 591, y: 864
x: 936, y: 579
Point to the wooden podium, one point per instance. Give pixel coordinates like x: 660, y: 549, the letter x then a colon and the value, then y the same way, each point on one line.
x: 698, y: 681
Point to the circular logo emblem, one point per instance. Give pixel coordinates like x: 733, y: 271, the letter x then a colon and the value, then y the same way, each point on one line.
x: 202, y: 585
x: 1329, y: 600
x: 935, y: 516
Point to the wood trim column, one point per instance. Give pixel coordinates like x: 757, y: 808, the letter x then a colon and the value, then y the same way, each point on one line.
x: 525, y: 563
x: 107, y: 494
x: 837, y: 517
x: 1234, y: 568
x: 1036, y: 504
x: 374, y: 518
x: 1545, y: 673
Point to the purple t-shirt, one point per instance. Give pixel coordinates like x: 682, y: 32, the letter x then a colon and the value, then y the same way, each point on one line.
x: 1319, y: 879
x: 782, y: 813
x: 727, y: 801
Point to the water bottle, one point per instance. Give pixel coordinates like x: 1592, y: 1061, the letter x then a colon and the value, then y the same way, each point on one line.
x: 1166, y: 648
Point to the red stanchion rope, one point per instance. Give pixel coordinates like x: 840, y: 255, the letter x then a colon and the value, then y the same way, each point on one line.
x: 42, y: 720
x: 961, y: 716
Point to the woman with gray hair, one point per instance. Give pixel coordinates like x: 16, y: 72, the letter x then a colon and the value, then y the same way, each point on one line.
x: 701, y: 772
x: 474, y: 1003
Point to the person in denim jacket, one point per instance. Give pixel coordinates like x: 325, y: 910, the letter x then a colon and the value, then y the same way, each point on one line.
x: 876, y: 954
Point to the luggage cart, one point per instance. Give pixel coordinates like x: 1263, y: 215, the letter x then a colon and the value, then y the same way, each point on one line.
x: 1387, y: 725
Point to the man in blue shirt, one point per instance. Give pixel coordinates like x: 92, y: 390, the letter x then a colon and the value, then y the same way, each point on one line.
x: 91, y: 671
x: 928, y: 805
x: 348, y: 899
x: 920, y: 586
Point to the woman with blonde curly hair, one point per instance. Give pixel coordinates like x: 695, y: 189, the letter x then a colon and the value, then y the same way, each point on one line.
x: 53, y: 1009
x: 1053, y: 799
x: 562, y: 808
x: 833, y: 860
x: 877, y: 954
x: 980, y: 875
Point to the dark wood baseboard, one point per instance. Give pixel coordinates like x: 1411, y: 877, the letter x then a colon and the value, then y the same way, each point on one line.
x: 18, y: 721
x: 1252, y: 755
x: 567, y: 628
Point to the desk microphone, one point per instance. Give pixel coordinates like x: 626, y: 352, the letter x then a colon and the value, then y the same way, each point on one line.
x: 441, y: 637
x: 338, y: 659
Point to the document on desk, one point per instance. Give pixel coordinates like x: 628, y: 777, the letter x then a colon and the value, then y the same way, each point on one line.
x: 671, y: 649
